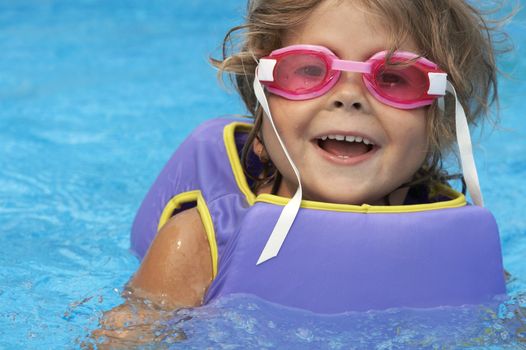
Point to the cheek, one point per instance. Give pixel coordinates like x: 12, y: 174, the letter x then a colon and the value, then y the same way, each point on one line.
x: 269, y: 137
x: 271, y: 142
x: 409, y: 131
x: 288, y: 112
x: 416, y: 140
x: 291, y: 119
x: 287, y: 118
x: 282, y: 112
x: 421, y: 129
x: 416, y: 136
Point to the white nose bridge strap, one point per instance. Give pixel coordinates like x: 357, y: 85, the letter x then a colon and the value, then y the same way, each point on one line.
x: 351, y: 66
x: 467, y: 160
x: 289, y: 212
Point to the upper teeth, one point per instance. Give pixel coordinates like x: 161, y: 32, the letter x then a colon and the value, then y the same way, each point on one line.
x: 348, y: 139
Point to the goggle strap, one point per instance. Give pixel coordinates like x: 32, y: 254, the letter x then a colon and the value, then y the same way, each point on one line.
x: 467, y: 160
x: 351, y: 66
x: 290, y: 211
x: 441, y: 105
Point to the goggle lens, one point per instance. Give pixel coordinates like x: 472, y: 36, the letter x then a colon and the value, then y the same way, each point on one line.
x: 300, y: 73
x: 401, y: 81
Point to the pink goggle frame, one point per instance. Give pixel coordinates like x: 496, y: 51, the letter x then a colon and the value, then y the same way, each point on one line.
x: 302, y: 72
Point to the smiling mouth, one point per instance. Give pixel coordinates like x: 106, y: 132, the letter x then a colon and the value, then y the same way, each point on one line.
x: 345, y: 147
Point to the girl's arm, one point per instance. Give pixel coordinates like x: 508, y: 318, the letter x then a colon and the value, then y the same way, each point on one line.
x: 177, y: 268
x: 175, y: 273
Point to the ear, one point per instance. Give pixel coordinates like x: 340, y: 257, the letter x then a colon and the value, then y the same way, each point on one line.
x: 259, y: 150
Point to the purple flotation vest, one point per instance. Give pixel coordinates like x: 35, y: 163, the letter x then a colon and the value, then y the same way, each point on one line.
x: 336, y: 258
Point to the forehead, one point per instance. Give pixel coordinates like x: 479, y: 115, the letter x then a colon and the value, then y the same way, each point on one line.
x: 349, y: 28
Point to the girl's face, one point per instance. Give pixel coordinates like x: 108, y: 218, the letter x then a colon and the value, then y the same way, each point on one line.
x: 342, y: 172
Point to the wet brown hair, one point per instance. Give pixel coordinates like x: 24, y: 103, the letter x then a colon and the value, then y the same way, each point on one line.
x: 452, y: 33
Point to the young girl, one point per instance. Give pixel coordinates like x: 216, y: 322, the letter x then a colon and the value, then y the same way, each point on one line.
x: 334, y: 197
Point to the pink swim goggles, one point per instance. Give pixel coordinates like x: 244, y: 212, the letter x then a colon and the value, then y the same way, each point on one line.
x: 302, y: 72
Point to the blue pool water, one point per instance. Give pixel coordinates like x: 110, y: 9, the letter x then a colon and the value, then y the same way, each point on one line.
x: 94, y: 97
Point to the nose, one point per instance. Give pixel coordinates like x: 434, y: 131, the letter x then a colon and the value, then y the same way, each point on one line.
x: 349, y: 93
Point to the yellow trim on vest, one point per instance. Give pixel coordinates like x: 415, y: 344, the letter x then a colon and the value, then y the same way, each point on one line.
x: 233, y: 156
x: 189, y: 197
x: 458, y: 200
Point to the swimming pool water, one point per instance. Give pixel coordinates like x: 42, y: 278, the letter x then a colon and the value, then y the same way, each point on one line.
x: 95, y: 95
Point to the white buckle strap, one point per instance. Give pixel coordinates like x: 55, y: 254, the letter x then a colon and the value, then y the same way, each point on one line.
x: 265, y: 70
x: 437, y: 83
